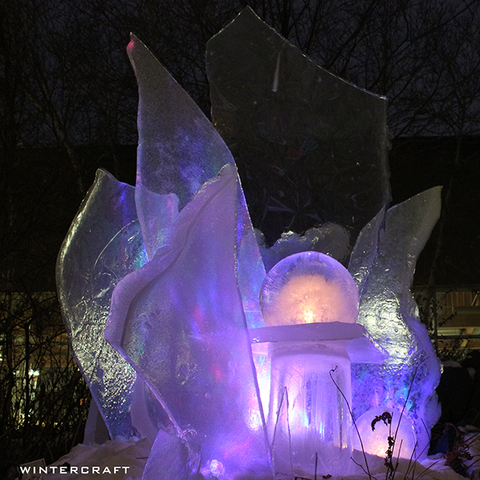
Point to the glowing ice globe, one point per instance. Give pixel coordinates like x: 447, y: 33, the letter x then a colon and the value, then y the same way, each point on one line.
x: 377, y: 424
x: 308, y: 287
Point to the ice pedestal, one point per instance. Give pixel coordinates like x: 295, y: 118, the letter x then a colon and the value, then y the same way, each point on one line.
x: 312, y: 303
x: 319, y: 425
x: 307, y: 393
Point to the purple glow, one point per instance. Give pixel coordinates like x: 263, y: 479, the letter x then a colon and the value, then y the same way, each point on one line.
x: 181, y: 324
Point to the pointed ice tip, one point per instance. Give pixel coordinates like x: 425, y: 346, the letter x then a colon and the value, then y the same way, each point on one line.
x: 246, y: 13
x: 139, y: 53
x: 249, y: 10
x: 131, y: 44
x: 134, y: 38
x: 134, y: 42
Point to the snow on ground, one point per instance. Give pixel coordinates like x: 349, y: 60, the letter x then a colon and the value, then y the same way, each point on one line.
x: 125, y: 460
x: 100, y: 461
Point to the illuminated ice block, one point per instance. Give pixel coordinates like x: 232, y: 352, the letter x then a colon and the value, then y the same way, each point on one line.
x: 179, y: 320
x: 317, y: 422
x: 383, y: 265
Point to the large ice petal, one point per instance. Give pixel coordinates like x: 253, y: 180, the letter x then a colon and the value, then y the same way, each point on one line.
x: 179, y: 149
x: 293, y: 120
x: 179, y: 320
x: 389, y: 313
x: 104, y: 243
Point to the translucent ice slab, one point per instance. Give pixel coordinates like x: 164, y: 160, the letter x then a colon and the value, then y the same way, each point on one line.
x: 103, y: 245
x: 276, y: 109
x: 179, y: 320
x: 383, y: 265
x: 179, y: 150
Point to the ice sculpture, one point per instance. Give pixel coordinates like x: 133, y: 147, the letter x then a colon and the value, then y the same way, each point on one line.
x: 176, y: 266
x: 310, y: 304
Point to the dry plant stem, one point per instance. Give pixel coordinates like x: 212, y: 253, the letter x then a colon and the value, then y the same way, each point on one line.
x: 469, y: 444
x: 367, y: 471
x: 414, y: 464
x: 48, y: 447
x: 405, y: 402
x: 390, y: 475
x: 411, y: 465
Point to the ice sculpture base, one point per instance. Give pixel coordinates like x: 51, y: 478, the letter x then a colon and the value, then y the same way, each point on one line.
x: 354, y: 337
x: 310, y: 382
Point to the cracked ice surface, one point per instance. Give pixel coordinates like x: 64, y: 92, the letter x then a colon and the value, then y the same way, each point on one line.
x: 390, y: 315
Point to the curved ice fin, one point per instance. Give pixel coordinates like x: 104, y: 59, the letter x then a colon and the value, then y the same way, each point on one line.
x: 387, y: 310
x: 104, y: 244
x: 179, y: 149
x: 179, y: 320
